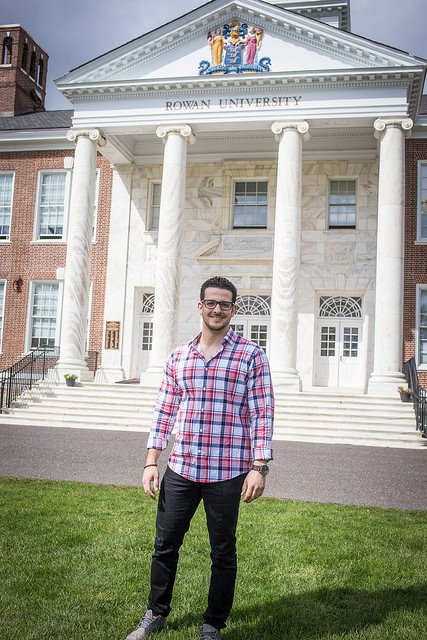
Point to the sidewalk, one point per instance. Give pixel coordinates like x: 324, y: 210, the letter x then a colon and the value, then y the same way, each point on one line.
x: 344, y: 474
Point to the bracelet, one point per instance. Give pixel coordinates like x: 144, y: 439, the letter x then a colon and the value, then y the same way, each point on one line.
x: 150, y: 465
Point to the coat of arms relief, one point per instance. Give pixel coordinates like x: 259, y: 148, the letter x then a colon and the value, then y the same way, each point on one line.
x: 235, y: 49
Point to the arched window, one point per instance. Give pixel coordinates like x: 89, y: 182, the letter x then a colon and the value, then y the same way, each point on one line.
x: 40, y: 72
x: 253, y: 305
x: 340, y: 307
x: 32, y: 73
x: 24, y: 60
x: 6, y: 55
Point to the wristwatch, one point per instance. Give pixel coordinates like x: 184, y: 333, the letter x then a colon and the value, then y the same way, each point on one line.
x: 262, y: 469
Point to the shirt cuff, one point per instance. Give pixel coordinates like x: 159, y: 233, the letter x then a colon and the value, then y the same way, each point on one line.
x: 155, y: 442
x: 260, y: 453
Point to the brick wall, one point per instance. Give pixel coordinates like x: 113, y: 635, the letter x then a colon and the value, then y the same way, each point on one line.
x: 415, y: 255
x: 21, y: 258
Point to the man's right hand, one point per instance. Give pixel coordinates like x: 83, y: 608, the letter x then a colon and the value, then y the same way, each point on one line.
x: 150, y: 481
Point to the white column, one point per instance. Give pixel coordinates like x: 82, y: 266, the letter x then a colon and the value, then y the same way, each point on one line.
x: 117, y: 267
x: 167, y: 278
x: 286, y: 260
x: 77, y: 266
x: 387, y: 374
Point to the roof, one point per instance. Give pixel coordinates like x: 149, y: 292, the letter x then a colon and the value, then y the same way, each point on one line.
x: 60, y: 119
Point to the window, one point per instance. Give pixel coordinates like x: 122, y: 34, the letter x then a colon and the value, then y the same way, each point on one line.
x: 6, y: 191
x: 422, y: 201
x: 2, y: 289
x: 6, y: 54
x: 51, y: 205
x: 147, y: 321
x: 24, y: 61
x: 32, y: 72
x: 40, y: 72
x: 342, y: 204
x: 44, y: 314
x: 154, y: 215
x: 250, y: 205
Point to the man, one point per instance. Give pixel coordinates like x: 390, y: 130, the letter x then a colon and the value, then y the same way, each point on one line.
x: 217, y: 390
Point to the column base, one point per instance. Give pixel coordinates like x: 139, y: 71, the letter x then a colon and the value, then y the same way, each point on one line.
x: 288, y: 381
x: 78, y: 368
x: 152, y: 378
x: 385, y: 384
x: 109, y: 374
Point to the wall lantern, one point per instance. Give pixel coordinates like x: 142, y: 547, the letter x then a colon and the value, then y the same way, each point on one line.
x: 17, y: 284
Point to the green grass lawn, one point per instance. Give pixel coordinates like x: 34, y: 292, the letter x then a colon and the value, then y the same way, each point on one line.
x: 74, y: 565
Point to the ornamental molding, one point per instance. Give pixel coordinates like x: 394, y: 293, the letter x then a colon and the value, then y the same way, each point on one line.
x: 93, y: 134
x: 300, y: 127
x: 183, y: 130
x: 342, y: 48
x: 382, y: 124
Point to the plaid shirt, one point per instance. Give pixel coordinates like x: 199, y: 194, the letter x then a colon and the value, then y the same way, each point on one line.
x: 222, y: 410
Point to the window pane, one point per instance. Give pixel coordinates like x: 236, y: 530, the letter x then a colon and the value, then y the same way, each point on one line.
x: 342, y: 203
x: 44, y: 312
x: 156, y: 189
x: 250, y: 204
x: 5, y: 204
x: 1, y: 308
x: 52, y: 202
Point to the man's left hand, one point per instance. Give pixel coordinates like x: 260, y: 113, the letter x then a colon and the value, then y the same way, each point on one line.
x: 253, y: 486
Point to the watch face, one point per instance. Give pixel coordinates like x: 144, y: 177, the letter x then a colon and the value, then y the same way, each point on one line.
x: 263, y: 469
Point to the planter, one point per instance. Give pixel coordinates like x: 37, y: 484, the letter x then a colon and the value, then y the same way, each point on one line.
x: 70, y: 382
x: 405, y: 396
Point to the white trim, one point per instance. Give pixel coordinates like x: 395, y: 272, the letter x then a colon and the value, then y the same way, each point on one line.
x: 67, y: 191
x: 12, y: 173
x: 418, y: 288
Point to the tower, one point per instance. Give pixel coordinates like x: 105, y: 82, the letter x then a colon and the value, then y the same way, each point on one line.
x: 23, y: 72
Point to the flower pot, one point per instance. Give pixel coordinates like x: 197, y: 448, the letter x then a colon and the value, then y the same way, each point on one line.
x: 405, y: 396
x: 70, y: 382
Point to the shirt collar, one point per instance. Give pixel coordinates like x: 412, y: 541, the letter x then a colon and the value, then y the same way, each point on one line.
x: 230, y: 337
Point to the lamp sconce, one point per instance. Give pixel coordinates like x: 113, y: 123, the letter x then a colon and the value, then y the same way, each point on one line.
x: 17, y: 284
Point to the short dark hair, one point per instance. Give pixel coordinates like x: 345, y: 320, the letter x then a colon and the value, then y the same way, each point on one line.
x: 219, y: 283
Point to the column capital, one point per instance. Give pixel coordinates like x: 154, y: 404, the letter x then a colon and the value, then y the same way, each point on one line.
x: 300, y: 126
x: 381, y: 124
x: 93, y: 134
x: 122, y: 168
x: 183, y: 130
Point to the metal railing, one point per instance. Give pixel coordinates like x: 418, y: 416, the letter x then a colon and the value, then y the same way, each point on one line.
x: 419, y: 395
x: 33, y: 367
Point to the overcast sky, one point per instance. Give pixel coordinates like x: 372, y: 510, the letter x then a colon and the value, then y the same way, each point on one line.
x: 73, y: 32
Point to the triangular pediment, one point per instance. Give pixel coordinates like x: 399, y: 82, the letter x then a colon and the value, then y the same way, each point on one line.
x: 284, y: 42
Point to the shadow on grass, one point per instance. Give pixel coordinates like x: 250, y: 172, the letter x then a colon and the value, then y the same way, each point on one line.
x: 318, y: 613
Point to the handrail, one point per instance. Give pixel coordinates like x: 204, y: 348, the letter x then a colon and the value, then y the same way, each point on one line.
x: 32, y: 367
x: 418, y: 395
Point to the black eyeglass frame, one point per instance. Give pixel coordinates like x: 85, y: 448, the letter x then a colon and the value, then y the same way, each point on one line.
x: 228, y: 304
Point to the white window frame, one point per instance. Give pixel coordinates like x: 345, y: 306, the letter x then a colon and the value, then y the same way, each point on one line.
x: 67, y: 189
x: 356, y: 190
x: 419, y: 289
x: 420, y: 197
x: 233, y: 192
x: 9, y: 173
x: 29, y: 328
x: 4, y: 283
x: 95, y: 204
x: 150, y: 226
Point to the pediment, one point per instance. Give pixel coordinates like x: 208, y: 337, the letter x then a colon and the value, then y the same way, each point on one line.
x: 284, y: 43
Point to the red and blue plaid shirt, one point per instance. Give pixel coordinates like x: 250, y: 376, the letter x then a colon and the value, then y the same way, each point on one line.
x: 222, y: 410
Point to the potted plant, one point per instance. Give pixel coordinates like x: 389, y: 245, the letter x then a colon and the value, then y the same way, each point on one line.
x: 70, y: 379
x: 405, y: 393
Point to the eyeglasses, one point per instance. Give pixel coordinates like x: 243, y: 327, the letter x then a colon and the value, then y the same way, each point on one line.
x: 225, y: 305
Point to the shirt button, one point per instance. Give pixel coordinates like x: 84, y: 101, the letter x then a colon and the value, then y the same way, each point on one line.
x: 199, y: 451
x: 202, y: 409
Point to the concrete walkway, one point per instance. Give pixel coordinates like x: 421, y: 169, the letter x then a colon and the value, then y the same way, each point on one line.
x: 344, y: 474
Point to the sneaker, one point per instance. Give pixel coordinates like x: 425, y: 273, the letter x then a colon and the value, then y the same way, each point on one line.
x: 208, y: 632
x: 148, y: 624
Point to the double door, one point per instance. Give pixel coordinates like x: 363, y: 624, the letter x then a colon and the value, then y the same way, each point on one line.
x: 339, y: 354
x: 253, y: 329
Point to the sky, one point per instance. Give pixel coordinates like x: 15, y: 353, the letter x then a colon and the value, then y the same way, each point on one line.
x: 73, y: 32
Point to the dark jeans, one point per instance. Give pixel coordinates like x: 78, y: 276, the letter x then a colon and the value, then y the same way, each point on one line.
x: 178, y: 501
